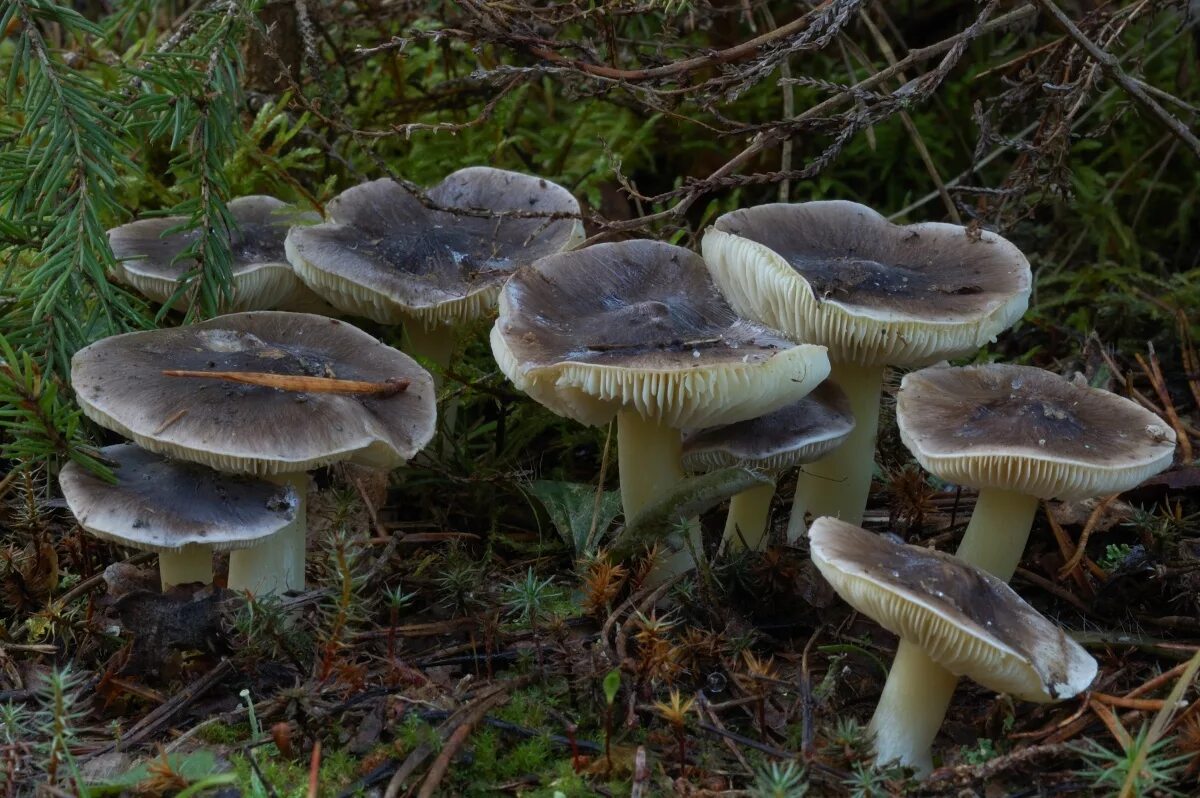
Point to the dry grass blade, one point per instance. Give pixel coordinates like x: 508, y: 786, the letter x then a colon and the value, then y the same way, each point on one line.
x: 1153, y: 371
x: 1160, y: 724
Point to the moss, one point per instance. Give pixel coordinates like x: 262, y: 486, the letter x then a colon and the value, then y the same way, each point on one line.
x: 289, y: 778
x: 224, y: 733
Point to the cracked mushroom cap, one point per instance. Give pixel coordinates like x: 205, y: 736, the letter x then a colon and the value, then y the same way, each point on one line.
x: 963, y: 618
x: 839, y: 274
x: 163, y: 505
x: 639, y: 325
x: 798, y: 433
x: 234, y: 427
x: 148, y: 256
x: 386, y: 256
x: 1023, y: 429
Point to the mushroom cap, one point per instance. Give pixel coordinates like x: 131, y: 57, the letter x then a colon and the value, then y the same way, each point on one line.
x: 965, y: 619
x: 163, y: 505
x: 386, y: 256
x: 239, y: 428
x: 837, y: 273
x: 1023, y: 429
x: 798, y: 433
x: 639, y: 325
x: 148, y: 256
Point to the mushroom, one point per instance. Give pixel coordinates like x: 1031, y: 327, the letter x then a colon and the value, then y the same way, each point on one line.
x: 791, y: 436
x: 877, y: 294
x: 953, y: 620
x: 273, y: 394
x: 183, y: 511
x: 637, y: 330
x: 384, y: 255
x: 1021, y: 434
x: 149, y: 253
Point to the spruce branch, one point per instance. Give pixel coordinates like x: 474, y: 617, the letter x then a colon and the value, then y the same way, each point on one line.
x: 36, y: 423
x: 57, y: 173
x: 197, y: 112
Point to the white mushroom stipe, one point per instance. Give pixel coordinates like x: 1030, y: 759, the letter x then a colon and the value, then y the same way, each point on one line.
x: 277, y: 564
x: 791, y: 436
x: 953, y: 619
x: 838, y: 484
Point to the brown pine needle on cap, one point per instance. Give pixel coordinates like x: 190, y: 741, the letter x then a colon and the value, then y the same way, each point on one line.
x: 298, y: 383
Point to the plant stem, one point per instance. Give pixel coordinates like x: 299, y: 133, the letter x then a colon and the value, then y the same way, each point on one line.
x: 746, y: 524
x: 998, y: 532
x: 277, y: 564
x: 911, y: 709
x: 838, y: 483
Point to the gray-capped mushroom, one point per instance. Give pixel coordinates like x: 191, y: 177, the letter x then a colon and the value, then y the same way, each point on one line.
x: 1021, y: 434
x: 273, y: 394
x: 796, y: 434
x: 953, y: 620
x: 149, y: 256
x: 877, y: 294
x: 183, y: 511
x: 637, y: 330
x: 387, y: 256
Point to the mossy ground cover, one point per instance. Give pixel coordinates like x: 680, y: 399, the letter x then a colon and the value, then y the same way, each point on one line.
x: 460, y: 635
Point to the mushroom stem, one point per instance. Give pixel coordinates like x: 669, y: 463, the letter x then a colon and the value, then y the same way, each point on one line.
x: 435, y: 344
x: 650, y: 462
x: 999, y: 528
x: 277, y: 564
x: 192, y: 563
x: 837, y: 485
x: 746, y: 524
x: 911, y: 709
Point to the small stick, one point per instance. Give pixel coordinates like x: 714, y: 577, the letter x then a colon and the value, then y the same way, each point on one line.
x: 1067, y: 549
x: 314, y: 771
x: 1158, y: 681
x: 178, y: 414
x: 1143, y: 704
x: 1112, y: 723
x: 299, y: 383
x: 1153, y: 371
x: 1081, y: 547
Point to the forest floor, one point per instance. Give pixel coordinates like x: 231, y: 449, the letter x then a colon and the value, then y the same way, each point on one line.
x: 459, y: 647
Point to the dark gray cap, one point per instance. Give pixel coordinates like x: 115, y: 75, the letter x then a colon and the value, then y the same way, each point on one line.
x: 837, y: 273
x: 239, y: 428
x: 386, y: 256
x: 639, y: 325
x: 263, y: 279
x: 798, y: 433
x: 163, y: 505
x: 1028, y: 430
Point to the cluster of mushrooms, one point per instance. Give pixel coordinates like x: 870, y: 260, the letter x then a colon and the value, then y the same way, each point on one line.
x: 767, y: 351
